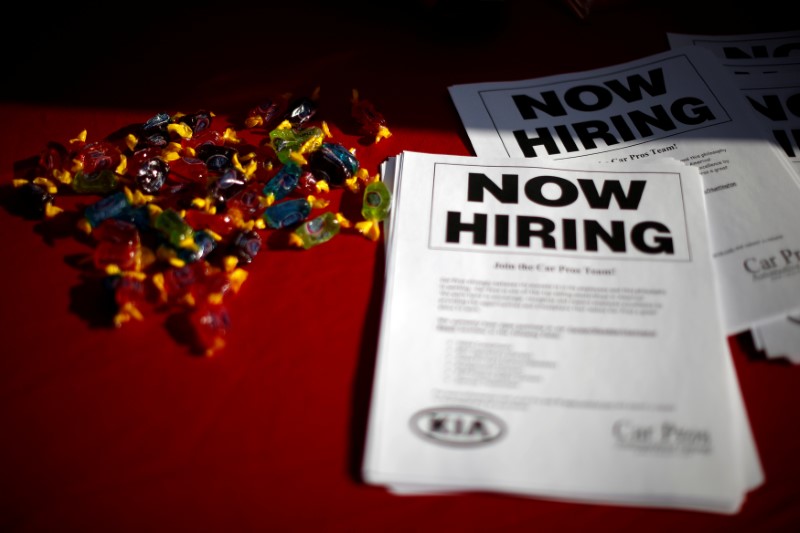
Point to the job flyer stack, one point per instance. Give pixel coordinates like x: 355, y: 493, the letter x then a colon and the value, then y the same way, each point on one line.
x: 557, y: 307
x: 766, y: 69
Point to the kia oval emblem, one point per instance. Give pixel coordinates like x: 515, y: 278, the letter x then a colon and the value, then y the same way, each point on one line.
x: 457, y: 426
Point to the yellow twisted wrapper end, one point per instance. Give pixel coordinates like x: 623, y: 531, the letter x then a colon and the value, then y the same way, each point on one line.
x: 369, y: 228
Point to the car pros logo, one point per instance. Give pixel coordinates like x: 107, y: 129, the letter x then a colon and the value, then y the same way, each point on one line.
x: 664, y: 437
x: 457, y: 426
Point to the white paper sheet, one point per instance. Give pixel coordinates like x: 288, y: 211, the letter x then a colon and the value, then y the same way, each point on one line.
x: 679, y: 104
x: 549, y: 363
x: 769, y: 47
x: 766, y: 69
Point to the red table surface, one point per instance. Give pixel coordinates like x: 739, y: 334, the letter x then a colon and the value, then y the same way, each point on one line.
x: 108, y: 429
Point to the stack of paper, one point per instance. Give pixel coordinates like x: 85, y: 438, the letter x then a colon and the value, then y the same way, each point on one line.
x: 679, y: 104
x: 550, y: 330
x: 557, y: 308
x: 766, y: 69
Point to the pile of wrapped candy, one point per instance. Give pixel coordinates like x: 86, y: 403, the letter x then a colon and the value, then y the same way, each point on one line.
x: 183, y: 203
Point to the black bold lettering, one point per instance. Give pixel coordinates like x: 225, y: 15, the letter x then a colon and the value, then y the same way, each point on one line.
x: 654, y: 86
x: 734, y: 52
x: 501, y: 230
x: 662, y: 242
x: 544, y: 232
x: 786, y: 49
x: 624, y: 131
x: 574, y: 98
x: 545, y: 138
x: 614, y: 240
x: 568, y: 195
x: 477, y: 183
x: 612, y: 188
x: 699, y: 112
x: 793, y: 104
x: 770, y: 107
x: 549, y: 104
x: 566, y: 138
x: 455, y: 227
x: 782, y: 137
x: 659, y: 119
x: 570, y: 234
x: 590, y: 130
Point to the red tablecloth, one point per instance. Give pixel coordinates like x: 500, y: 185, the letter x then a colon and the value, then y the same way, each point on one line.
x: 107, y: 429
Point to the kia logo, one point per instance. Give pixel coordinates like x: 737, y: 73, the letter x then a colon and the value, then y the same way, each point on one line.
x: 457, y: 426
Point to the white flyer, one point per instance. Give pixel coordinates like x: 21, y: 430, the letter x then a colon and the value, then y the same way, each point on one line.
x: 680, y: 104
x: 774, y: 96
x: 769, y: 47
x: 766, y: 68
x: 551, y: 329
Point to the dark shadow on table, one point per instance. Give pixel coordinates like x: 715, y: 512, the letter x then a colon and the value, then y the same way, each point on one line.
x: 362, y: 383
